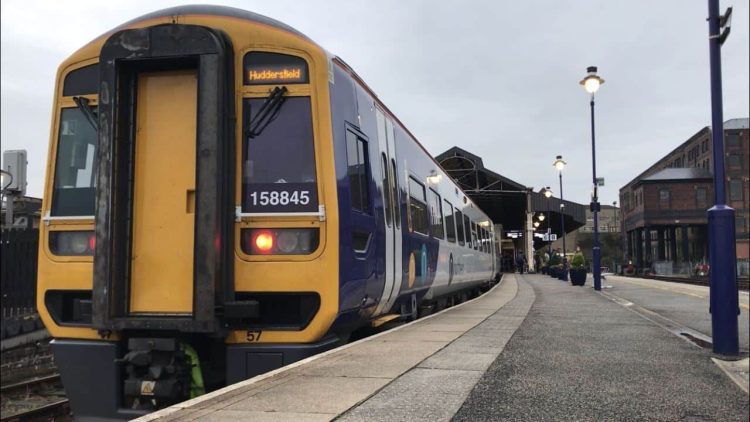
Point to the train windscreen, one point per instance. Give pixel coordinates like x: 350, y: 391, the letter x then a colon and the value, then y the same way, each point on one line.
x: 278, y: 173
x: 75, y: 166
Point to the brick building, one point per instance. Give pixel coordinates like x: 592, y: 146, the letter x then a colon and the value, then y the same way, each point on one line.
x: 664, y: 220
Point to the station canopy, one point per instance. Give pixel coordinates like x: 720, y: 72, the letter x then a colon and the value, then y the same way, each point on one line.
x: 506, y: 201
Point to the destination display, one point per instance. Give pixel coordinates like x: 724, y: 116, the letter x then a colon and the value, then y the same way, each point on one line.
x: 261, y: 68
x: 259, y: 75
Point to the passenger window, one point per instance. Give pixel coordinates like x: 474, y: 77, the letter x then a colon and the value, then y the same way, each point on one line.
x: 467, y: 231
x: 417, y: 207
x: 356, y: 154
x: 460, y: 227
x: 450, y: 223
x: 396, y: 202
x: 436, y: 212
x: 474, y: 238
x: 387, y: 207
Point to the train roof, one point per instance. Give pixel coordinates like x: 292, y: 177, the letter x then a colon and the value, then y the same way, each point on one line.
x: 206, y: 9
x: 233, y: 12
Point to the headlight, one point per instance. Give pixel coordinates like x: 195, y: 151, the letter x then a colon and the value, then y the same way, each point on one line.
x: 279, y: 241
x: 72, y: 243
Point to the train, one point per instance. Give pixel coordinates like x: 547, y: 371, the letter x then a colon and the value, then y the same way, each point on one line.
x: 224, y: 197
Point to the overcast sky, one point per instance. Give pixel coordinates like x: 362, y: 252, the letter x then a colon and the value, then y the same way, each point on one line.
x: 497, y: 78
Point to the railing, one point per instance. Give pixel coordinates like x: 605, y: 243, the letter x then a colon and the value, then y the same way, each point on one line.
x: 18, y: 271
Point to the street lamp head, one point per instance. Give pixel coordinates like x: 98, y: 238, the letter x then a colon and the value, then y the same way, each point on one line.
x: 547, y: 192
x: 614, y: 204
x: 536, y: 224
x: 541, y: 217
x: 559, y: 163
x: 592, y: 81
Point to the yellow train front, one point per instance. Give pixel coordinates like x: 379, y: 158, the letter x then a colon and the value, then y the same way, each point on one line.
x: 223, y: 198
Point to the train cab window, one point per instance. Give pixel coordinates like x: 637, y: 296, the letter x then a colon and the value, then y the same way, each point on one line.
x: 75, y: 166
x: 460, y: 227
x: 436, y: 212
x: 467, y: 231
x: 83, y: 81
x: 450, y: 222
x: 417, y: 207
x: 356, y: 153
x: 278, y: 171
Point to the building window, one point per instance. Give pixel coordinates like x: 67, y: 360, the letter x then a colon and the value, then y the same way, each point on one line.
x: 735, y: 190
x: 739, y: 224
x: 733, y: 139
x: 701, y: 197
x: 663, y: 198
x: 735, y: 161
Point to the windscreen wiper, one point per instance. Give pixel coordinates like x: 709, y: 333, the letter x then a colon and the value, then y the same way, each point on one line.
x: 83, y: 104
x: 267, y: 113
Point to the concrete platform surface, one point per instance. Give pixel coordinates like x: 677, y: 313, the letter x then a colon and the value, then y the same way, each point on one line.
x: 431, y: 365
x: 533, y: 348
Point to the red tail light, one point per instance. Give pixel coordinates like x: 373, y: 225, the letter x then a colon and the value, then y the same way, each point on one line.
x: 92, y: 242
x: 264, y: 242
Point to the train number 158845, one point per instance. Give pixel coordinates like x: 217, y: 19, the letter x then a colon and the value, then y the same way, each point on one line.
x: 283, y: 197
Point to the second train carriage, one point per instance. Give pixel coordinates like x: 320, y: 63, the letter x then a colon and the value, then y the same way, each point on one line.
x: 223, y: 194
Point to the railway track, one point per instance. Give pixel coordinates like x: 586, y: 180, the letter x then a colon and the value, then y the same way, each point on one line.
x: 35, y: 399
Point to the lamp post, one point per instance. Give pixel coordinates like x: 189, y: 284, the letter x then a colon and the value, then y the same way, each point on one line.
x: 724, y: 301
x: 614, y: 205
x: 559, y: 164
x: 548, y: 194
x: 591, y: 84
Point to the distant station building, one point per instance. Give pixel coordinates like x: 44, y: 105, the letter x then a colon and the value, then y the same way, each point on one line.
x: 663, y: 210
x: 512, y: 206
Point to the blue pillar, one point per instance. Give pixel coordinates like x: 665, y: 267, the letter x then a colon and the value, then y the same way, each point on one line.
x: 721, y: 240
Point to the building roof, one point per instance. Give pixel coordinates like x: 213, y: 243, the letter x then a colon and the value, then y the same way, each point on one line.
x: 743, y: 123
x: 731, y: 124
x: 678, y: 174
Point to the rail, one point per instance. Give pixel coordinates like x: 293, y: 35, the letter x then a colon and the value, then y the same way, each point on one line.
x: 40, y: 398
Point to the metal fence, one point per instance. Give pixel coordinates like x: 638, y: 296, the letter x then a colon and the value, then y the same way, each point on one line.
x: 18, y: 271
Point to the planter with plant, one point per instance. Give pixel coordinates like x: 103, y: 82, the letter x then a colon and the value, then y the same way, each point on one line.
x: 578, y: 270
x: 553, y: 265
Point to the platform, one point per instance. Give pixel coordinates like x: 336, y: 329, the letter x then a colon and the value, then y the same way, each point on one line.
x: 533, y: 348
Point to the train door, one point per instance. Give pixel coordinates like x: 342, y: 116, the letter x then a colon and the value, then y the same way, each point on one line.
x: 164, y: 193
x: 164, y: 231
x: 362, y: 222
x: 392, y: 214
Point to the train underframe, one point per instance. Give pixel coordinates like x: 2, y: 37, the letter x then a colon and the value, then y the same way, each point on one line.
x: 150, y: 369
